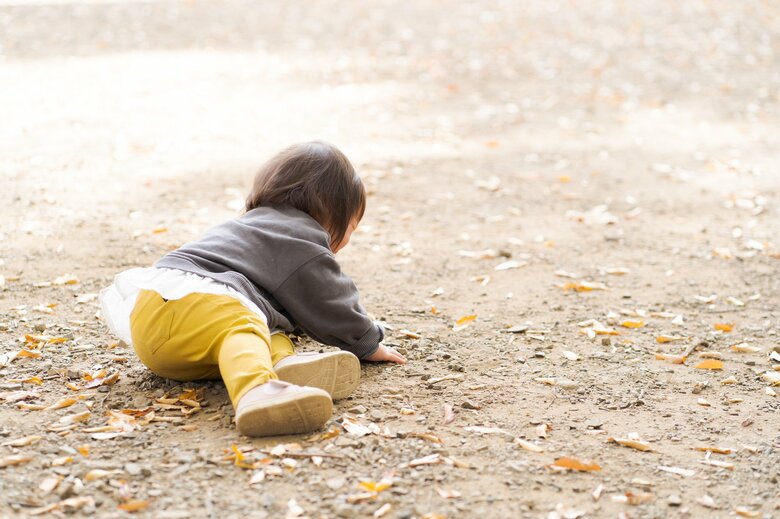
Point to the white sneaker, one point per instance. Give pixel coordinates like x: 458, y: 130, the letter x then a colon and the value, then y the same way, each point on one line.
x: 337, y: 372
x: 276, y: 408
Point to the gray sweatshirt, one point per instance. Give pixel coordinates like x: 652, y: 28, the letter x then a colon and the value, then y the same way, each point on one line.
x: 280, y: 259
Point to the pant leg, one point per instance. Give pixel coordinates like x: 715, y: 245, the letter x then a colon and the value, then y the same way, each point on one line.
x: 202, y: 336
x: 281, y: 347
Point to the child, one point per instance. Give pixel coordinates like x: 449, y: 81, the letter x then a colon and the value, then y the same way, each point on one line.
x: 207, y: 309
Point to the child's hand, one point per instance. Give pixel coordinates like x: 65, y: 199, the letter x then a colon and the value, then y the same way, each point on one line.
x: 386, y: 354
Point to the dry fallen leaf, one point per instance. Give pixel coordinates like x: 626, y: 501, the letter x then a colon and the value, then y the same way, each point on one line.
x: 377, y: 486
x: 49, y: 484
x: 706, y: 501
x: 449, y: 415
x: 744, y: 511
x: 673, y: 359
x: 353, y: 426
x: 60, y: 404
x: 21, y: 442
x: 772, y: 377
x: 571, y: 355
x: 709, y: 364
x: 669, y: 338
x: 410, y: 334
x: 16, y: 459
x: 633, y: 443
x: 723, y: 327
x: 529, y: 446
x: 447, y: 493
x: 575, y: 464
x: 487, y: 430
x: 744, y: 347
x: 630, y: 323
x: 717, y: 463
x: 583, y: 286
x: 134, y: 505
x: 678, y: 471
x: 32, y: 380
x: 67, y: 279
x: 425, y: 436
x: 463, y: 322
x: 94, y: 474
x: 507, y: 265
x: 632, y: 499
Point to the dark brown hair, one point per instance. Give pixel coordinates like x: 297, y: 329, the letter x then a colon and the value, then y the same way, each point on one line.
x: 316, y: 178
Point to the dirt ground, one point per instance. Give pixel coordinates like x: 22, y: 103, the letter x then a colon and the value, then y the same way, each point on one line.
x: 537, y: 165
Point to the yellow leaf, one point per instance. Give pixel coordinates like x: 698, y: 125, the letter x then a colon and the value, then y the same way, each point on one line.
x: 529, y: 446
x: 83, y: 450
x: 32, y: 380
x: 22, y: 442
x: 134, y: 505
x: 575, y: 464
x: 74, y: 418
x: 67, y: 279
x: 632, y: 323
x: 634, y: 444
x: 583, y: 286
x: 31, y: 354
x: 60, y: 404
x: 57, y: 462
x: 673, y: 359
x: 425, y: 436
x: 709, y: 364
x: 716, y: 450
x: 378, y: 486
x: 669, y: 338
x: 31, y: 407
x: 17, y: 459
x: 97, y: 474
x: 465, y: 319
x: 744, y: 348
x: 724, y: 327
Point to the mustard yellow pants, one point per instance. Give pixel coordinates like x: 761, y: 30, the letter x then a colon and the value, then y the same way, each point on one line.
x: 206, y: 336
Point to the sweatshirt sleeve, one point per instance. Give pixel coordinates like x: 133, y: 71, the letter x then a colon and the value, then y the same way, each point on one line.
x: 325, y: 304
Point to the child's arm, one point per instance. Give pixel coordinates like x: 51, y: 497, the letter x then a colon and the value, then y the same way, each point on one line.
x: 325, y: 304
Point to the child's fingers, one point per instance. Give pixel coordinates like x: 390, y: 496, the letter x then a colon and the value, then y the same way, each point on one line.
x: 394, y: 356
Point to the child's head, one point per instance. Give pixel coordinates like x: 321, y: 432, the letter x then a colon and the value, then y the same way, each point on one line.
x: 316, y: 178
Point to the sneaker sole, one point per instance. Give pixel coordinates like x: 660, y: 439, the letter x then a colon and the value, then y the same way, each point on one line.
x: 336, y: 372
x: 296, y: 414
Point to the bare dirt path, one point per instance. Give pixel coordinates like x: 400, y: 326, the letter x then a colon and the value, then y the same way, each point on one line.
x: 556, y: 170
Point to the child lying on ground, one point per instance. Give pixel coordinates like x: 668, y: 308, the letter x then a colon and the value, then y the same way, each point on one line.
x: 217, y: 307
